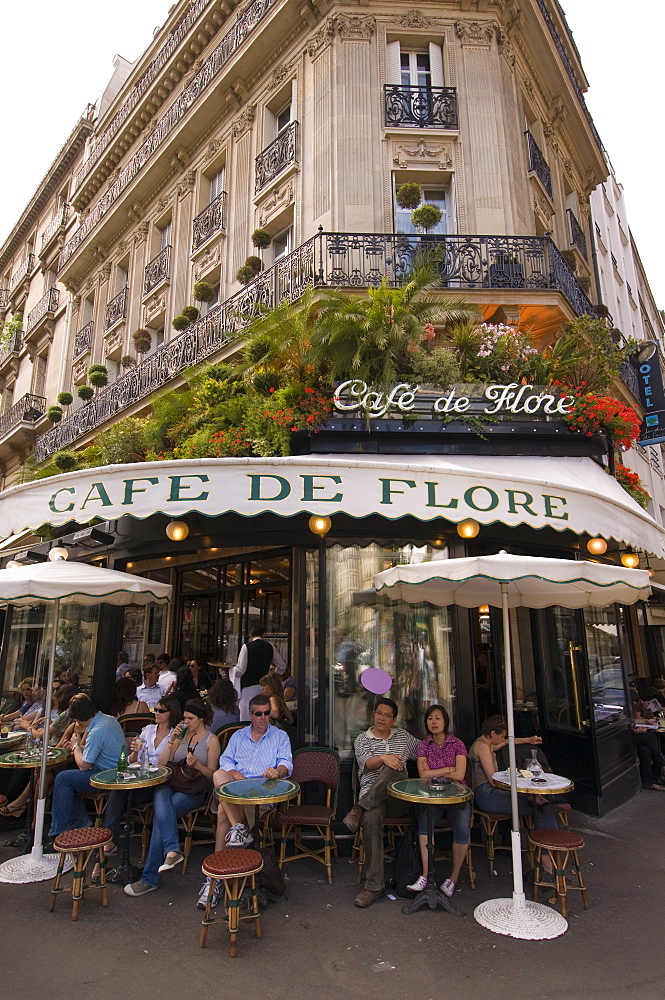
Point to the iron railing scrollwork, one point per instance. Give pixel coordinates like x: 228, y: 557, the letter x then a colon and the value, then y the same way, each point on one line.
x: 28, y: 410
x: 4, y: 298
x: 11, y: 347
x: 47, y: 304
x: 280, y: 154
x: 157, y: 270
x: 577, y: 237
x: 212, y: 66
x: 629, y: 376
x: 55, y: 225
x: 420, y: 107
x: 25, y: 267
x: 83, y: 340
x: 115, y: 310
x: 210, y: 221
x: 538, y: 163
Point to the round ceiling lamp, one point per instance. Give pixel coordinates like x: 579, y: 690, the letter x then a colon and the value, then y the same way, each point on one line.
x: 177, y: 531
x: 468, y: 528
x: 630, y: 560
x: 597, y: 546
x: 319, y: 525
x: 484, y: 609
x: 58, y: 554
x: 438, y: 543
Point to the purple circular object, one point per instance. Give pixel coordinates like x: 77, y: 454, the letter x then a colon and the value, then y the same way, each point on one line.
x: 375, y: 680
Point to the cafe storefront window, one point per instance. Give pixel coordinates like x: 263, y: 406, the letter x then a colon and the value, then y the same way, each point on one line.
x: 30, y: 643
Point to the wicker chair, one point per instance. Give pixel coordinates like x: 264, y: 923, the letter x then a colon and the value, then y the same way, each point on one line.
x: 224, y: 733
x: 192, y: 823
x: 311, y: 765
x: 133, y: 723
x: 392, y: 825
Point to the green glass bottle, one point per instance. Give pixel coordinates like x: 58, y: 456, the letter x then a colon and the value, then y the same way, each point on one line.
x: 122, y: 760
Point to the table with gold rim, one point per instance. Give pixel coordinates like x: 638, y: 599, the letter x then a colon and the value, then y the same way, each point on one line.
x: 109, y: 781
x: 257, y: 792
x: 12, y: 739
x: 33, y: 763
x: 526, y: 786
x: 418, y: 790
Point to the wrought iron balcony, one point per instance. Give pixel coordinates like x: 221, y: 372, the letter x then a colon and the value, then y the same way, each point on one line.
x: 279, y: 155
x: 538, y: 163
x: 116, y: 309
x: 46, y: 307
x: 170, y: 120
x: 25, y: 267
x: 157, y: 270
x: 83, y: 340
x: 420, y: 107
x: 577, y: 237
x: 11, y: 347
x: 355, y: 260
x: 28, y: 410
x: 210, y: 221
x: 55, y: 226
x: 629, y: 376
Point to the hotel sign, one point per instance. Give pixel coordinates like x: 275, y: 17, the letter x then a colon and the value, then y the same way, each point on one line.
x: 652, y: 397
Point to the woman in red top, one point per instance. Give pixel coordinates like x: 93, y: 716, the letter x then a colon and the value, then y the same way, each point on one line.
x: 443, y: 755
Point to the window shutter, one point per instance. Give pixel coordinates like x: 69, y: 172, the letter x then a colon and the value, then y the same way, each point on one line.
x: 394, y: 71
x: 436, y: 64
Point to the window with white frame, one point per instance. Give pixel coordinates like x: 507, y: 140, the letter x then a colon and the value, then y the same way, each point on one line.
x: 165, y: 236
x: 217, y: 184
x: 437, y: 196
x: 39, y: 375
x: 281, y: 245
x: 415, y: 67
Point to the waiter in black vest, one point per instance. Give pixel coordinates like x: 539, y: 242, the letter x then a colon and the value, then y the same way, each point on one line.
x: 255, y: 659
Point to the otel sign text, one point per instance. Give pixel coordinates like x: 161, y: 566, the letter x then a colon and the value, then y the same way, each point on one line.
x: 355, y: 394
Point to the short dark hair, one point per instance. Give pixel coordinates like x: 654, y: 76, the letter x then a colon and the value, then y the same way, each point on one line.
x: 163, y: 658
x: 172, y: 705
x: 81, y: 709
x: 259, y: 699
x: 257, y: 631
x: 389, y: 702
x: 446, y: 717
x: 150, y: 657
x: 64, y: 696
x: 493, y: 724
x: 196, y: 706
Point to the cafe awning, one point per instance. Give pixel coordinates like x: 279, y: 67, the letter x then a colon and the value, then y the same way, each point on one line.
x: 573, y: 494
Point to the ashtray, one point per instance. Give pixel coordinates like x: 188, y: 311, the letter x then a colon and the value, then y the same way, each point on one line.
x: 438, y: 784
x: 539, y: 781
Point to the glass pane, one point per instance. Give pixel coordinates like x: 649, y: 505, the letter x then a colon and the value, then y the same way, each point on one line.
x: 309, y: 703
x: 198, y: 628
x: 232, y: 574
x: 608, y: 690
x: 204, y: 578
x: 423, y: 74
x: 562, y: 680
x: 231, y: 626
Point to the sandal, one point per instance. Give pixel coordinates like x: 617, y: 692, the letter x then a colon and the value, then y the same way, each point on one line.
x: 10, y: 809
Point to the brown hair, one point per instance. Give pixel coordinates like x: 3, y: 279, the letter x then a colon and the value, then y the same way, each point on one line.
x: 81, y: 709
x: 196, y: 706
x: 493, y: 724
x: 274, y: 685
x: 124, y: 693
x: 223, y: 695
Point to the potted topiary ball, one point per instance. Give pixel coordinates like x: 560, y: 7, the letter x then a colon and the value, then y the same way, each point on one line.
x: 85, y: 392
x: 255, y: 263
x: 261, y: 239
x: 65, y: 398
x: 180, y: 323
x: 98, y: 376
x: 426, y: 217
x: 127, y: 361
x: 570, y: 259
x: 204, y: 292
x: 409, y: 195
x: 54, y: 414
x: 142, y: 341
x: 191, y: 312
x: 65, y: 461
x: 245, y: 274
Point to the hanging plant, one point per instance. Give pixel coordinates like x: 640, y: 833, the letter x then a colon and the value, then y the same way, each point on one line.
x: 98, y: 376
x: 602, y: 414
x: 204, y: 292
x: 261, y: 239
x: 65, y: 461
x: 54, y: 414
x: 426, y: 217
x: 127, y: 361
x: 85, y: 392
x: 142, y: 341
x: 191, y: 312
x: 65, y: 398
x: 631, y: 483
x: 180, y: 323
x: 409, y: 195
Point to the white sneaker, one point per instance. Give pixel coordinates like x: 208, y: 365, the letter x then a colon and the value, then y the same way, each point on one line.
x: 203, y: 897
x: 448, y: 888
x: 418, y: 885
x: 239, y: 836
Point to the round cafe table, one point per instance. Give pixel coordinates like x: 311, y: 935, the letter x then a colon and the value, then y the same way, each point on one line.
x: 111, y: 781
x: 418, y: 790
x: 31, y: 759
x: 549, y: 784
x: 257, y: 792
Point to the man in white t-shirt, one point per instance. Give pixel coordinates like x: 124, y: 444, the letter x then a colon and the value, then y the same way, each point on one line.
x: 167, y: 678
x: 150, y: 691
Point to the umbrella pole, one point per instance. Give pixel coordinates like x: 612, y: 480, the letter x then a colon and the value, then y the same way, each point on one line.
x: 37, y: 851
x: 516, y: 843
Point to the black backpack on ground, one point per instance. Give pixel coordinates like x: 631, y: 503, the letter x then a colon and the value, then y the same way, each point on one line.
x: 407, y: 865
x: 270, y: 878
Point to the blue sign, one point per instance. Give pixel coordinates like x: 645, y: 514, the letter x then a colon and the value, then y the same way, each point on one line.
x: 652, y: 397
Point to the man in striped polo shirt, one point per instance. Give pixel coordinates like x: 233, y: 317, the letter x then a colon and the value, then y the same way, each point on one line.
x: 381, y: 753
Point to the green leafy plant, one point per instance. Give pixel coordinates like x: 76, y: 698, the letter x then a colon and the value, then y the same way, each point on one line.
x: 54, y: 414
x: 65, y: 398
x: 97, y: 368
x: 261, y: 239
x: 180, y: 323
x: 98, y: 376
x: 266, y: 382
x: 570, y: 259
x: 65, y: 461
x: 191, y: 312
x: 255, y: 263
x: 127, y: 361
x: 584, y: 281
x: 632, y: 484
x: 426, y: 217
x: 10, y: 327
x: 142, y: 341
x: 245, y: 274
x: 204, y: 291
x: 85, y: 392
x: 440, y: 367
x: 409, y: 195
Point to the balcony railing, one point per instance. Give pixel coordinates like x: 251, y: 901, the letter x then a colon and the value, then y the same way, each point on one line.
x: 157, y: 270
x: 538, y: 163
x: 356, y: 260
x: 279, y: 155
x: 47, y: 304
x: 83, y: 340
x: 28, y: 410
x: 420, y: 107
x: 210, y: 221
x: 170, y: 120
x: 629, y: 376
x: 577, y: 237
x: 25, y: 267
x: 58, y: 222
x: 11, y: 347
x: 4, y: 298
x: 115, y: 310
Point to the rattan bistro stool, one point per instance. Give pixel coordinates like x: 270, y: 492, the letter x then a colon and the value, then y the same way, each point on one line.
x: 80, y: 844
x: 561, y: 845
x: 234, y: 867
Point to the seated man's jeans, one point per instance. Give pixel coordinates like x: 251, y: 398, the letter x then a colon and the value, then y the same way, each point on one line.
x: 167, y: 808
x: 68, y: 811
x: 376, y: 803
x: 491, y: 799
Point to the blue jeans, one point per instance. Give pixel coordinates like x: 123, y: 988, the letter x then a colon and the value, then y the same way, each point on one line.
x: 116, y: 806
x: 167, y: 808
x: 68, y: 811
x: 459, y: 817
x: 490, y: 799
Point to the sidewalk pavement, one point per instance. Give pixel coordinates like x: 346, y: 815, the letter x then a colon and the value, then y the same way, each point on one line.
x: 318, y: 946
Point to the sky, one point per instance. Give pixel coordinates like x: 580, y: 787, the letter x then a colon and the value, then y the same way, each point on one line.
x: 70, y: 59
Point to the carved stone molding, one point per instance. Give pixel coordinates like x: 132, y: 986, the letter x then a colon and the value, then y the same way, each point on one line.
x: 113, y: 342
x: 207, y: 261
x: 141, y: 233
x: 279, y: 75
x: 213, y: 149
x: 321, y: 39
x: 505, y: 48
x: 80, y: 370
x: 244, y: 121
x: 76, y: 303
x: 186, y: 185
x: 104, y: 273
x: 162, y: 204
x: 421, y: 153
x: 415, y: 19
x: 355, y: 27
x: 154, y: 306
x: 475, y: 32
x: 278, y: 199
x: 122, y: 247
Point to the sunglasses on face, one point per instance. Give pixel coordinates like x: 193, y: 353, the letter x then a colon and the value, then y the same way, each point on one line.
x: 259, y: 714
x: 162, y: 711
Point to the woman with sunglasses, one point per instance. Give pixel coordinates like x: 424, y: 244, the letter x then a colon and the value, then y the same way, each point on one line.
x: 192, y: 744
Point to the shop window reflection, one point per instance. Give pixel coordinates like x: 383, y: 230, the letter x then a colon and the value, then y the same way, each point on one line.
x: 606, y: 674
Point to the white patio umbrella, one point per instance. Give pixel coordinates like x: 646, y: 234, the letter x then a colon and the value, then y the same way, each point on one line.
x: 59, y: 582
x: 508, y: 581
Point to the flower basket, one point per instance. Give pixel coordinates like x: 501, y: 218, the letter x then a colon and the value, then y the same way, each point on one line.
x: 603, y: 415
